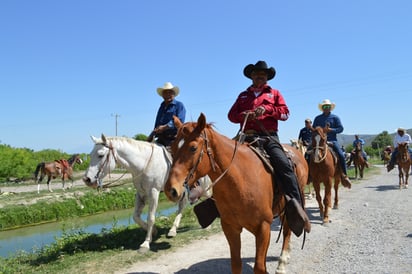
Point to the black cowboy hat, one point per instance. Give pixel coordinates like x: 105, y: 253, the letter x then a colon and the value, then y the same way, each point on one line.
x: 260, y: 65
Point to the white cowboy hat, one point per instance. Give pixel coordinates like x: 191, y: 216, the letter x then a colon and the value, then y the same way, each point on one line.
x: 326, y: 102
x: 168, y: 86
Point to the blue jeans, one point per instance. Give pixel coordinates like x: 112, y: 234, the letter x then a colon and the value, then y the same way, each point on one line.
x: 336, y: 148
x: 395, y: 153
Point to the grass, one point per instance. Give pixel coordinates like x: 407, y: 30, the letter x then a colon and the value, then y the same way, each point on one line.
x: 80, y: 252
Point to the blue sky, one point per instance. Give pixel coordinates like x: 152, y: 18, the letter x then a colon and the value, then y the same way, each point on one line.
x: 68, y: 67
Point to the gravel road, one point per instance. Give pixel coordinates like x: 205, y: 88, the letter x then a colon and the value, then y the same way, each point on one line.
x: 371, y: 232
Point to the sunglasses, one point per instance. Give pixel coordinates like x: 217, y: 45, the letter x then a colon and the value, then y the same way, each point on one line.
x: 326, y: 107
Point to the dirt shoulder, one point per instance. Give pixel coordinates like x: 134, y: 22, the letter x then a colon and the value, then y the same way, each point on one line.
x: 26, y: 193
x: 371, y: 232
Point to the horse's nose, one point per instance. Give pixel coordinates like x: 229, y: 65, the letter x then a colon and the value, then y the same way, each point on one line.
x: 87, y: 180
x: 173, y: 193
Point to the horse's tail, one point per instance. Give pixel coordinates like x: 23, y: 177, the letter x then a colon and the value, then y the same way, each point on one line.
x: 38, y: 168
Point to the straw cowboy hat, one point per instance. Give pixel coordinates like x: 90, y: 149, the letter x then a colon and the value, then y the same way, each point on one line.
x: 260, y: 65
x: 168, y: 86
x: 326, y: 102
x: 401, y: 129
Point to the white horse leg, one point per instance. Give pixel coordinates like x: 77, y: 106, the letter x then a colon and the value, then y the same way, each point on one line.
x: 176, y: 223
x: 151, y: 216
x: 138, y: 208
x: 48, y: 184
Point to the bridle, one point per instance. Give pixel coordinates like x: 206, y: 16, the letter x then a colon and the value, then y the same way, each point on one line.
x: 105, y: 163
x: 206, y: 143
x: 317, y: 148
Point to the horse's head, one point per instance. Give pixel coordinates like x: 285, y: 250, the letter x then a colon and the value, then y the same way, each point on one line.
x: 75, y: 159
x: 101, y: 162
x: 319, y: 142
x: 403, y: 151
x: 358, y: 147
x: 188, y: 150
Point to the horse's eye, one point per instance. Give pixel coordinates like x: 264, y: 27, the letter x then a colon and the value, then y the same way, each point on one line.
x: 193, y: 149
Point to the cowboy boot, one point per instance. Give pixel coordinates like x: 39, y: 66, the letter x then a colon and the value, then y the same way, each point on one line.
x: 390, y: 166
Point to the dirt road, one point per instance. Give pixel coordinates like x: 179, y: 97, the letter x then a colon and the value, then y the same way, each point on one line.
x: 371, y: 232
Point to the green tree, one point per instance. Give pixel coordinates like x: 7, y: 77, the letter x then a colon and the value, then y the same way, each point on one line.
x: 381, y: 141
x: 140, y: 137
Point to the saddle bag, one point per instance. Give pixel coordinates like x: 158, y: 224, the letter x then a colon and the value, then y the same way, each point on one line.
x: 206, y: 212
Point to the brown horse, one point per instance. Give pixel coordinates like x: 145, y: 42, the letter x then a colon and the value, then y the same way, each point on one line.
x: 242, y: 187
x: 358, y: 161
x: 403, y: 159
x: 324, y: 168
x: 386, y: 156
x: 59, y: 168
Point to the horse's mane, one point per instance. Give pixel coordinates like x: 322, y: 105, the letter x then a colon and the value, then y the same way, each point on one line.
x: 128, y: 140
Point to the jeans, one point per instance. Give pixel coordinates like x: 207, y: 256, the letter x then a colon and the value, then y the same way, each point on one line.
x: 336, y: 148
x: 283, y: 169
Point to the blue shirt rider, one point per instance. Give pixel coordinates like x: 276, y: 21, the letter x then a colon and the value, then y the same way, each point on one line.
x: 355, y: 143
x: 164, y: 130
x: 335, y: 127
x: 305, y: 134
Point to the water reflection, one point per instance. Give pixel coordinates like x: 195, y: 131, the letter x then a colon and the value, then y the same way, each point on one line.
x: 31, y: 238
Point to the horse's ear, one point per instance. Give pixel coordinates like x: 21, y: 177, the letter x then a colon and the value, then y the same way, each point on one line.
x: 201, y: 122
x: 94, y: 139
x: 104, y: 139
x: 177, y: 121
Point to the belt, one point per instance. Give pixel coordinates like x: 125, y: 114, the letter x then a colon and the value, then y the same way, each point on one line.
x: 261, y: 133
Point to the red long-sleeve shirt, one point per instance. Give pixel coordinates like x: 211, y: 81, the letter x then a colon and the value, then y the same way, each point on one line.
x: 273, y: 102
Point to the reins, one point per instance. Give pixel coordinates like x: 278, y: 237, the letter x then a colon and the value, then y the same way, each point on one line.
x: 106, y: 162
x: 324, y: 148
x: 241, y: 136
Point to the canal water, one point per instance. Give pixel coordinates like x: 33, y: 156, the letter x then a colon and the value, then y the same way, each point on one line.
x: 29, y: 239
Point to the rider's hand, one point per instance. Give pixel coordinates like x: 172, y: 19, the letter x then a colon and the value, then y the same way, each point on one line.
x: 259, y: 111
x: 250, y: 115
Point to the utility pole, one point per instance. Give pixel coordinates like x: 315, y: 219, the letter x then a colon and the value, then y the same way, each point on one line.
x: 115, y: 117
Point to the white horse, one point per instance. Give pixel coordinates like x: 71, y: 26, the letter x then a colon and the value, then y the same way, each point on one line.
x: 149, y: 164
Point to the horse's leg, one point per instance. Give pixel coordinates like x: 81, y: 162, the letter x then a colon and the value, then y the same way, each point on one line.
x: 285, y: 254
x: 400, y: 176
x: 327, y: 200
x: 262, y: 240
x: 356, y: 171
x: 176, y: 223
x: 151, y: 216
x: 336, y: 187
x: 316, y: 186
x: 232, y: 234
x: 39, y: 181
x: 139, y: 204
x: 48, y: 183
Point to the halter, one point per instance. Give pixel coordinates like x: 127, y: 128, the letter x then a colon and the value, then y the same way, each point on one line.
x: 106, y: 162
x: 211, y: 159
x: 209, y: 153
x: 324, y: 148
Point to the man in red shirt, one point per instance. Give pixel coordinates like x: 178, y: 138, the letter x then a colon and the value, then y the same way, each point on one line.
x: 264, y: 107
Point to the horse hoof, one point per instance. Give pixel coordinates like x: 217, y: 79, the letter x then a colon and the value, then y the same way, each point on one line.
x: 171, y: 234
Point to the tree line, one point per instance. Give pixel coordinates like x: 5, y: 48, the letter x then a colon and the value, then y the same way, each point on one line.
x: 19, y: 164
